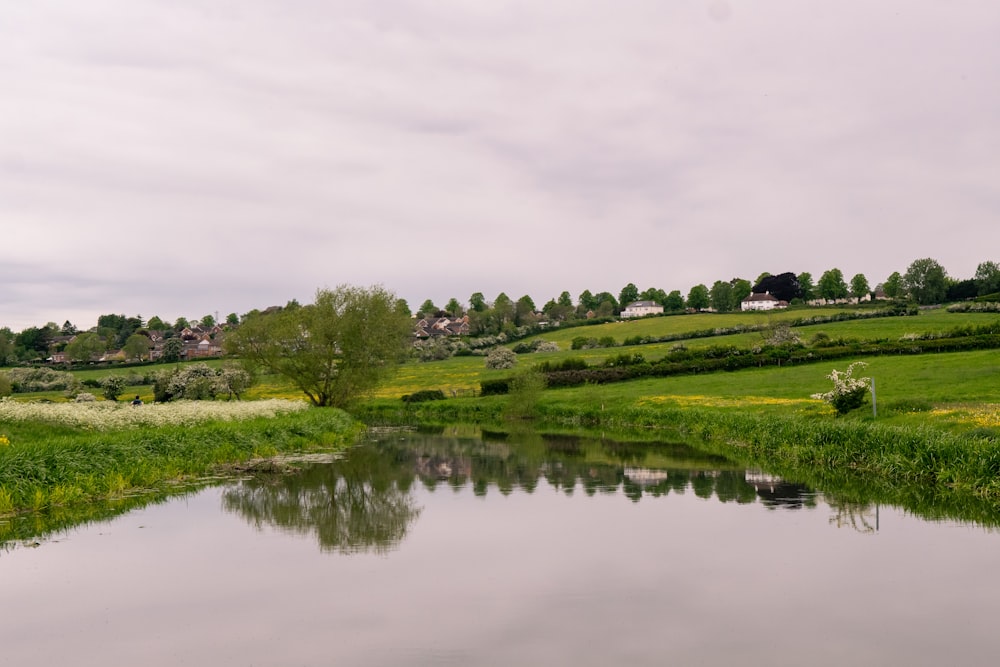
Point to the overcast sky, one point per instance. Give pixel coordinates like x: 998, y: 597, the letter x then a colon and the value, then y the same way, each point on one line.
x: 183, y: 158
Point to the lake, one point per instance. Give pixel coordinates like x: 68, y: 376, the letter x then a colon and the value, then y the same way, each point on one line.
x: 467, y: 548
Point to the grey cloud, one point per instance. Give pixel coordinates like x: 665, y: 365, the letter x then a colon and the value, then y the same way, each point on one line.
x: 266, y: 149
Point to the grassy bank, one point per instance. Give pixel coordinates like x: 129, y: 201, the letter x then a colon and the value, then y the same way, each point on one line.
x: 938, y: 423
x: 64, y: 454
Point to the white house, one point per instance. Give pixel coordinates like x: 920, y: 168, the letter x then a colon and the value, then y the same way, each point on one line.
x: 641, y: 308
x: 764, y: 301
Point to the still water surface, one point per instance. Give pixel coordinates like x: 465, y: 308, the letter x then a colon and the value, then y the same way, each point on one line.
x: 449, y: 549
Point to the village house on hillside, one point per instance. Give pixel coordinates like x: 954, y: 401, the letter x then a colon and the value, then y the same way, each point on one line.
x: 428, y: 327
x: 642, y: 308
x: 762, y: 301
x: 197, y: 342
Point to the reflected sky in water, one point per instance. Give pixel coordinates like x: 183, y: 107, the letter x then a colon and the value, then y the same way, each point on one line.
x: 540, y: 578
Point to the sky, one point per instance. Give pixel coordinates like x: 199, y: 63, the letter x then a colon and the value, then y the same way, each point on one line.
x: 180, y: 158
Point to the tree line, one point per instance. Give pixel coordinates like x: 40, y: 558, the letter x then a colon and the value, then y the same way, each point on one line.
x: 924, y: 282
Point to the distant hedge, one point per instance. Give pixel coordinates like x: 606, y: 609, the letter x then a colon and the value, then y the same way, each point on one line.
x: 423, y: 396
x: 575, y: 372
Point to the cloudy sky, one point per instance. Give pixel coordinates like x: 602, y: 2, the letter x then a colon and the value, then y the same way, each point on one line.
x: 183, y: 158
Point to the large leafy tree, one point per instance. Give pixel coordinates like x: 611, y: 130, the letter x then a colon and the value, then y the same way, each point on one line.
x: 859, y: 286
x: 629, y: 294
x: 137, y: 346
x: 674, y: 301
x: 742, y: 288
x: 832, y: 286
x: 427, y: 308
x: 721, y: 296
x: 477, y: 302
x: 806, y: 286
x: 607, y: 305
x: 6, y: 346
x: 698, y: 297
x: 524, y: 311
x: 34, y: 341
x: 987, y: 278
x: 172, y: 349
x: 784, y: 286
x: 335, y: 350
x: 85, y: 346
x: 893, y: 285
x: 926, y: 281
x: 454, y: 308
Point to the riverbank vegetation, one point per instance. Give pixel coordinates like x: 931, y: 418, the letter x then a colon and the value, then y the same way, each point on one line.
x: 71, y: 453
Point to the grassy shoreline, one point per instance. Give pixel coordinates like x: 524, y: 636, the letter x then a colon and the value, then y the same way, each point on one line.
x: 806, y: 444
x: 50, y: 463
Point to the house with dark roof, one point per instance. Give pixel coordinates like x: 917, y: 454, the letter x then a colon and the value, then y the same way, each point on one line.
x: 429, y: 327
x: 762, y: 301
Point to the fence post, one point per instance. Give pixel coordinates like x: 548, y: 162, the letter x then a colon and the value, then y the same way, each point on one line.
x: 874, y: 409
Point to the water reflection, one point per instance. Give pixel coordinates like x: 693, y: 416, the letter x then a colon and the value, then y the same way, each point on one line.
x: 365, y: 502
x: 358, y: 504
x: 29, y: 529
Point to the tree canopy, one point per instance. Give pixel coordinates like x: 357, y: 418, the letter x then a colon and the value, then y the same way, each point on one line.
x: 832, y: 286
x: 336, y: 350
x: 987, y: 278
x: 926, y: 281
x: 784, y: 286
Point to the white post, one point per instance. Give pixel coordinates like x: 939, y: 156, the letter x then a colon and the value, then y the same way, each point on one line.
x: 874, y: 409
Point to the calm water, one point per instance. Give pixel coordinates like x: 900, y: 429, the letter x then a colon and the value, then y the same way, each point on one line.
x: 451, y: 550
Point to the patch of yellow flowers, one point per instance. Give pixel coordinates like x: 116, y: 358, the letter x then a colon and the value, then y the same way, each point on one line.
x: 984, y: 415
x: 4, y: 440
x: 722, y: 402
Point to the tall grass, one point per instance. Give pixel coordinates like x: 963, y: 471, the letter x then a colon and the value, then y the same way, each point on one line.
x: 59, y: 462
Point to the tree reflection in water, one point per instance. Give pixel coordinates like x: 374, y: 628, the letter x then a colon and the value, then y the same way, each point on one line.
x: 360, y: 503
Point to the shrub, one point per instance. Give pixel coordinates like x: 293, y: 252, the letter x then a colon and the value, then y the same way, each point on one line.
x: 524, y: 391
x: 625, y: 359
x: 85, y: 397
x: 200, y: 382
x: 848, y: 392
x: 568, y: 364
x: 820, y: 339
x: 494, y: 387
x: 424, y: 395
x: 500, y: 358
x: 5, y: 386
x: 112, y: 386
x: 24, y: 380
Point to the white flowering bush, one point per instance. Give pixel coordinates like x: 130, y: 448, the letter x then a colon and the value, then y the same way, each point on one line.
x: 107, y: 415
x: 112, y: 386
x: 200, y: 382
x: 500, y: 358
x: 24, y: 380
x: 848, y: 392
